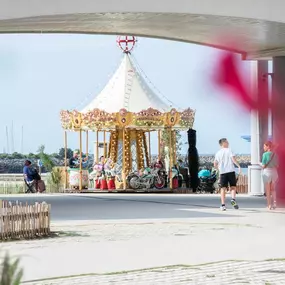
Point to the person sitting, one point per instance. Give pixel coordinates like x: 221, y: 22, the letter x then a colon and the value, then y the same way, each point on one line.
x: 158, y: 163
x: 98, y: 168
x: 32, y: 177
x: 109, y: 167
x: 102, y: 161
x: 74, y: 162
x: 27, y: 171
x: 181, y: 163
x: 175, y: 170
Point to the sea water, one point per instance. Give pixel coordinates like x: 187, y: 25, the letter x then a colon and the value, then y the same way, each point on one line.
x: 244, y: 170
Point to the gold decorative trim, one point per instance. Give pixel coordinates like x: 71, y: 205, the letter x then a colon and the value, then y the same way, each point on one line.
x: 128, y: 156
x: 144, y: 120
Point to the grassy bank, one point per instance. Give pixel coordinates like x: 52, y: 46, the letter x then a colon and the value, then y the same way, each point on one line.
x: 18, y: 187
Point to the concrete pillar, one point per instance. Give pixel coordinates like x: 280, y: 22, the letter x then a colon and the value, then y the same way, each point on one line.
x: 278, y: 99
x: 263, y: 96
x: 255, y: 186
x: 278, y: 93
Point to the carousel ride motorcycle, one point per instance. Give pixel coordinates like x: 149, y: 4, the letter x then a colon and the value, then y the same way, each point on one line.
x: 147, y: 179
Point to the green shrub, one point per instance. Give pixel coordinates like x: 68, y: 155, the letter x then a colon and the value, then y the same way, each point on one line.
x: 11, y: 273
x: 54, y: 178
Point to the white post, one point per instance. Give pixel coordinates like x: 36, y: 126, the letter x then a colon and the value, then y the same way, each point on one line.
x: 255, y: 185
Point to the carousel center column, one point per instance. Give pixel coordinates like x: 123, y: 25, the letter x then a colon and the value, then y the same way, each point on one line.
x: 126, y: 167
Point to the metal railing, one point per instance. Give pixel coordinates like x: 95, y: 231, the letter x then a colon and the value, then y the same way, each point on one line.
x: 14, y: 184
x: 17, y: 177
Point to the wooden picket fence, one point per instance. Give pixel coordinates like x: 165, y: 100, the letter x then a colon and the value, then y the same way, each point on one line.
x: 242, y: 184
x: 24, y: 221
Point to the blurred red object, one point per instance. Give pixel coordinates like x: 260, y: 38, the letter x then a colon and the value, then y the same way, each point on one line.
x: 228, y: 75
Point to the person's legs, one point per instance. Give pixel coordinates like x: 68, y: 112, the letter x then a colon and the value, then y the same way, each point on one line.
x: 270, y: 176
x: 273, y: 194
x: 268, y: 194
x: 37, y: 185
x: 233, y: 201
x: 233, y: 192
x: 223, y: 196
x: 273, y: 184
x: 224, y: 186
x: 233, y: 183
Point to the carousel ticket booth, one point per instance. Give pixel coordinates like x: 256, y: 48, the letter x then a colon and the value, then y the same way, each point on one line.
x: 126, y: 114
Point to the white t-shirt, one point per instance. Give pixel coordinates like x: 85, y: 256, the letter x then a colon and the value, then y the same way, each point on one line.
x: 224, y: 159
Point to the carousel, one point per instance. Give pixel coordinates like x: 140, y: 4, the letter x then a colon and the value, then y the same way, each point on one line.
x: 125, y: 114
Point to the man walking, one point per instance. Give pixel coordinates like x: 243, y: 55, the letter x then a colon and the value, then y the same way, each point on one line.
x: 225, y: 162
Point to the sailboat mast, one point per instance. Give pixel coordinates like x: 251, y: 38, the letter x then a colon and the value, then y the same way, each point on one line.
x: 22, y: 140
x: 7, y: 138
x: 12, y: 138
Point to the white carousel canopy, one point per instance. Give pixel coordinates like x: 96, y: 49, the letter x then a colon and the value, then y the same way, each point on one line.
x: 127, y: 89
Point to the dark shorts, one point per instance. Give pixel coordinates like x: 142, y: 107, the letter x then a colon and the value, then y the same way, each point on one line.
x: 228, y: 179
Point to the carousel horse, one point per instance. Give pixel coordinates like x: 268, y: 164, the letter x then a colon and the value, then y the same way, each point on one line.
x: 104, y: 174
x: 101, y: 168
x: 109, y: 168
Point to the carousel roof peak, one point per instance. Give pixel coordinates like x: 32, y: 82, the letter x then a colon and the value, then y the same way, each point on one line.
x: 127, y: 89
x: 126, y: 43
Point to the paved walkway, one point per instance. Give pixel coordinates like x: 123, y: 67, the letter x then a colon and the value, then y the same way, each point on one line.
x: 221, y: 273
x: 198, y: 235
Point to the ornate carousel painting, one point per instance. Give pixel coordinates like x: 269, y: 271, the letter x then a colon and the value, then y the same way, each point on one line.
x: 126, y: 113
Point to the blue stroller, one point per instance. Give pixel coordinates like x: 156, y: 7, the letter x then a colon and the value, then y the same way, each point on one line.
x: 207, y: 181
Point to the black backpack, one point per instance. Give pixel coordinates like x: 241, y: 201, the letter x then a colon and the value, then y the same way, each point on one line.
x: 35, y: 174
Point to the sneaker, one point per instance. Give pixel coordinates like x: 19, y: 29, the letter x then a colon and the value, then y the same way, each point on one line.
x: 234, y: 204
x: 274, y: 206
x: 223, y: 208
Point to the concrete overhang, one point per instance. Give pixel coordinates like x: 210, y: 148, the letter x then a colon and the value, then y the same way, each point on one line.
x: 259, y: 23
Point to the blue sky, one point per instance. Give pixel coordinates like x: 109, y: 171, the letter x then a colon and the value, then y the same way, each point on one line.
x: 42, y: 74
